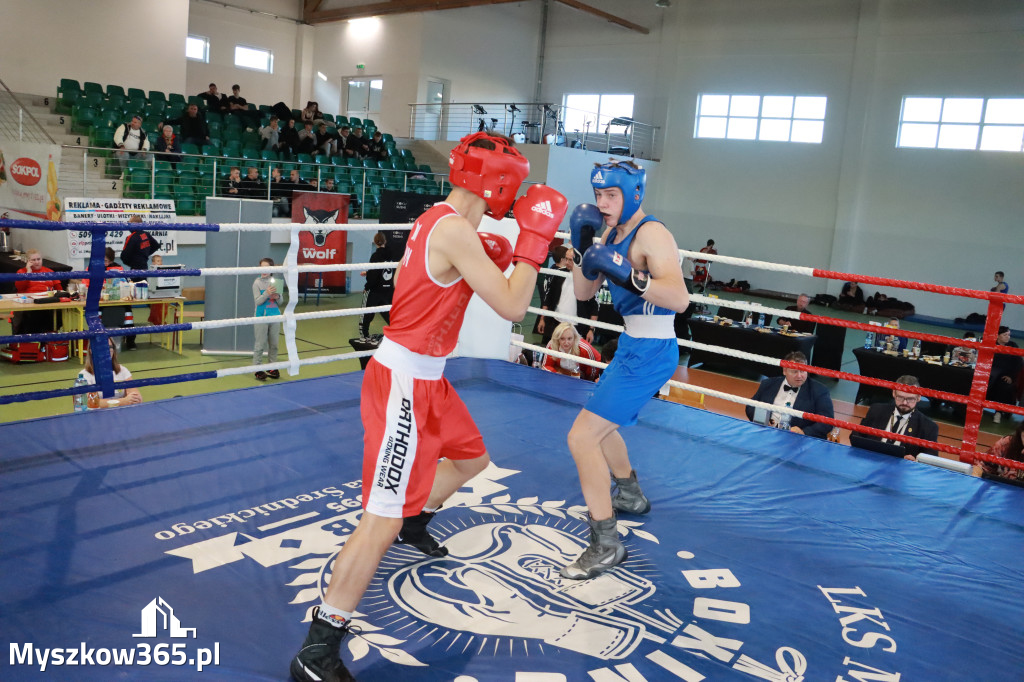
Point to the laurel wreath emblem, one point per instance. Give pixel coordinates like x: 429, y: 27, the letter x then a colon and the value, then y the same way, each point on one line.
x: 316, y: 571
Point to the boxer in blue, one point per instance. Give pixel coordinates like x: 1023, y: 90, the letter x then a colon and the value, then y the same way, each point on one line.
x: 639, y: 258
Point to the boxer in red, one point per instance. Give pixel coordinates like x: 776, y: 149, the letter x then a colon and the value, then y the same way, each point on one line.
x: 410, y: 464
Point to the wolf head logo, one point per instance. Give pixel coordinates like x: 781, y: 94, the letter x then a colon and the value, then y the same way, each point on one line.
x: 315, y: 216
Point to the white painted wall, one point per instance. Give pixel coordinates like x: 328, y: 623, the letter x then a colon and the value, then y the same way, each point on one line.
x: 227, y: 27
x: 133, y: 43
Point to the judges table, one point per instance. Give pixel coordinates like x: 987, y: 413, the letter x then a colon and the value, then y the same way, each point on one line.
x: 879, y: 365
x: 749, y: 339
x: 10, y: 264
x: 75, y: 320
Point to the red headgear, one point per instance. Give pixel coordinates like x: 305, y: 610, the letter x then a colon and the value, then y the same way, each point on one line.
x: 494, y: 175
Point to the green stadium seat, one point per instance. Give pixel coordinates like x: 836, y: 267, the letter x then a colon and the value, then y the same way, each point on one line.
x: 231, y: 149
x: 250, y: 138
x: 269, y: 155
x: 95, y: 99
x: 231, y: 135
x: 157, y: 96
x: 82, y: 120
x: 92, y: 87
x: 177, y: 98
x: 388, y: 138
x: 340, y: 120
x: 215, y: 129
x: 250, y: 153
x: 354, y: 121
x: 115, y: 90
x: 66, y: 100
x: 368, y: 123
x: 134, y: 93
x: 198, y: 101
x: 322, y: 160
x: 212, y: 147
x: 68, y: 84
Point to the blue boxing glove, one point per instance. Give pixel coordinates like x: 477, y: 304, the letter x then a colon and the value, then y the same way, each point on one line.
x: 602, y: 260
x: 583, y: 225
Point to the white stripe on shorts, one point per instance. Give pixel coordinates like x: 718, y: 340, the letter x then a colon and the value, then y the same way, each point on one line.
x: 397, y: 450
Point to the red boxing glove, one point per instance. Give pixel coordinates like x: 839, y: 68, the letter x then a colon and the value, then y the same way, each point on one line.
x: 539, y: 212
x: 497, y: 249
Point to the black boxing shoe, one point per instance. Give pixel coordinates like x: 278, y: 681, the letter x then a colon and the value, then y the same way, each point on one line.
x: 414, y: 533
x: 317, y: 660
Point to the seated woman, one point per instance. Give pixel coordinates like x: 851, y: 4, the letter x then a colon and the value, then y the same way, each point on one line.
x: 566, y: 339
x: 122, y: 396
x: 851, y: 298
x: 1007, y: 447
x: 1002, y: 382
x: 311, y: 113
x: 36, y: 321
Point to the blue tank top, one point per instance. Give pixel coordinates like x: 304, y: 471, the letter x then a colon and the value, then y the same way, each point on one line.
x: 626, y: 302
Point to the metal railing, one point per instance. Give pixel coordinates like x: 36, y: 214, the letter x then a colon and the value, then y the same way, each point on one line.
x: 194, y: 177
x: 17, y: 122
x: 535, y: 123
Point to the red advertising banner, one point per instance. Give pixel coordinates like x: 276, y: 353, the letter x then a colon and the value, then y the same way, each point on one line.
x: 318, y: 246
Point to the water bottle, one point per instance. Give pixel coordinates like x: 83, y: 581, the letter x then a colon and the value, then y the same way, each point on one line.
x: 79, y: 398
x: 760, y: 319
x: 869, y: 341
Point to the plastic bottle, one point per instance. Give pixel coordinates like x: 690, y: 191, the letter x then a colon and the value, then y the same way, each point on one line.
x: 760, y: 319
x: 869, y: 340
x: 79, y: 398
x: 749, y: 319
x: 916, y: 349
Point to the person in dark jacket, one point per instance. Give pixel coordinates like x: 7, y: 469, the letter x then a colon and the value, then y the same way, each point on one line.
x: 380, y: 286
x: 135, y: 253
x: 193, y: 126
x: 794, y: 390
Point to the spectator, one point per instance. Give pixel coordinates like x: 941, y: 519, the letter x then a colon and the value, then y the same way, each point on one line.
x: 359, y: 145
x: 233, y: 183
x: 215, y: 101
x: 290, y: 137
x: 380, y: 286
x: 237, y: 106
x: 34, y: 321
x: 252, y: 186
x: 559, y: 295
x: 851, y: 298
x: 377, y: 149
x: 130, y: 142
x: 893, y: 342
x: 268, y: 304
x: 311, y: 113
x: 271, y: 134
x: 343, y: 137
x: 135, y: 253
x: 122, y: 396
x: 280, y: 193
x: 1002, y: 383
x: 114, y: 316
x: 167, y: 146
x: 1007, y: 447
x: 793, y: 389
x: 328, y: 186
x: 193, y: 126
x: 566, y: 339
x: 307, y: 139
x: 296, y: 183
x: 797, y: 325
x: 901, y: 417
x: 327, y: 143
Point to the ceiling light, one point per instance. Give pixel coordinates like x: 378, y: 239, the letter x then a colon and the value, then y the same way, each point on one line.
x: 663, y: 3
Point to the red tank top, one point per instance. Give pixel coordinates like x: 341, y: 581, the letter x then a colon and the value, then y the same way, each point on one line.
x: 426, y: 316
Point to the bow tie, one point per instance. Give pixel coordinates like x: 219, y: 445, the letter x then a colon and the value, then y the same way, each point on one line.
x: 787, y: 387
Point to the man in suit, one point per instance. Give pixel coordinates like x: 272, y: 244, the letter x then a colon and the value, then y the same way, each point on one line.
x: 900, y: 416
x: 793, y: 389
x: 797, y: 325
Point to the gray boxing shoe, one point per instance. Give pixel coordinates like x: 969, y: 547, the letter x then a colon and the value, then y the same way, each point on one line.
x: 628, y: 497
x: 605, y: 551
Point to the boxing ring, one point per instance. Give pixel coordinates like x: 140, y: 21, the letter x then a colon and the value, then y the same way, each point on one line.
x: 199, y: 532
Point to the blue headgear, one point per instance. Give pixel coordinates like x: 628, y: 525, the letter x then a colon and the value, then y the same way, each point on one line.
x: 632, y: 181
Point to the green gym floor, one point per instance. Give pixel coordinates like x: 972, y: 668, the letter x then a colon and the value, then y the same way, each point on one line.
x: 324, y: 337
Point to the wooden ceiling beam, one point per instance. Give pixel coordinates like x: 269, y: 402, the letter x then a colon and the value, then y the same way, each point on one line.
x: 376, y: 9
x: 583, y: 7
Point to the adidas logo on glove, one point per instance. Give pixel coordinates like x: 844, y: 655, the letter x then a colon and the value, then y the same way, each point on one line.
x: 544, y: 208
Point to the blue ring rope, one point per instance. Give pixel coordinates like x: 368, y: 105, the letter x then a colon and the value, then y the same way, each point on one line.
x: 134, y: 383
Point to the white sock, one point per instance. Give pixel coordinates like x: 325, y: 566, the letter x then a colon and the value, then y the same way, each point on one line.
x: 335, y: 617
x: 430, y: 511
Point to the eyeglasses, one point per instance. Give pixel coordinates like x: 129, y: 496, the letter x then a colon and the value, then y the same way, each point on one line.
x: 908, y: 399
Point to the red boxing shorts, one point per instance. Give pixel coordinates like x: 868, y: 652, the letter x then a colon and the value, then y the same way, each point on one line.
x: 409, y: 425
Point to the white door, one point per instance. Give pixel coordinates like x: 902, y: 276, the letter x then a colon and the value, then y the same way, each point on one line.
x: 362, y: 98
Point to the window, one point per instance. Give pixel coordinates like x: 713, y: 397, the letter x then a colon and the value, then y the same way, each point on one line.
x: 592, y: 113
x: 254, y: 58
x: 962, y: 123
x: 772, y: 118
x: 197, y: 48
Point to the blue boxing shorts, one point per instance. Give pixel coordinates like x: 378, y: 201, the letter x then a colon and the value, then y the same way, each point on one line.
x: 638, y: 370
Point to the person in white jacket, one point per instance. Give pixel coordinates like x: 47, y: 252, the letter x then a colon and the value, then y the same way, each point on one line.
x: 130, y: 142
